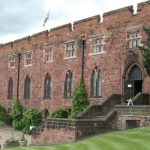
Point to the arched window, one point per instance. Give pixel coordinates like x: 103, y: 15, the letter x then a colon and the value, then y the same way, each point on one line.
x: 68, y: 85
x: 10, y: 89
x: 47, y: 86
x: 27, y: 87
x: 96, y: 83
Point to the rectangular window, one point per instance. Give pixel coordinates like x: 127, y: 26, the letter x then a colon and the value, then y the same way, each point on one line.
x: 11, y: 61
x: 97, y: 45
x: 134, y: 39
x: 28, y: 59
x: 48, y: 54
x: 70, y: 50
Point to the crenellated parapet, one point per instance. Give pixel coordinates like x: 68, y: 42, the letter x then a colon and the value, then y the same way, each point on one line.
x: 143, y: 7
x: 117, y: 16
x: 112, y: 19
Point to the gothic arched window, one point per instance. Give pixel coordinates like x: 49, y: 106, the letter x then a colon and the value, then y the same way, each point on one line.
x: 27, y: 87
x: 96, y: 83
x: 10, y: 89
x: 47, y: 86
x: 68, y: 85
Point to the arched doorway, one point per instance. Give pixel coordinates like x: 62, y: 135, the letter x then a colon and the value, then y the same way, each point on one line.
x: 133, y: 81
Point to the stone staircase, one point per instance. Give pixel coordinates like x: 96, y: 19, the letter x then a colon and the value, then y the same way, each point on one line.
x: 95, y: 119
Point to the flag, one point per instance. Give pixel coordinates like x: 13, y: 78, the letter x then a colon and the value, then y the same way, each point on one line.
x: 45, y: 20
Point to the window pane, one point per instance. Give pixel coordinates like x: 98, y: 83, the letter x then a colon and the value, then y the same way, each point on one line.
x: 47, y: 84
x: 94, y: 83
x: 134, y: 34
x: 138, y: 34
x: 130, y: 35
x: 130, y: 44
x: 100, y: 87
x: 134, y: 43
x: 138, y: 42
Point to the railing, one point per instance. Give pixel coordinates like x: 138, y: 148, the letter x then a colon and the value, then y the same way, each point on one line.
x: 141, y: 99
x: 143, y: 110
x: 95, y: 119
x: 102, y: 109
x: 81, y: 127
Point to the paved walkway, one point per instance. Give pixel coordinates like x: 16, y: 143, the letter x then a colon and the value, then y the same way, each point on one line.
x: 6, y: 132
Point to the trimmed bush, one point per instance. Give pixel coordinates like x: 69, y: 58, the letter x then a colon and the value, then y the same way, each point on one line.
x: 5, y: 116
x: 80, y: 100
x: 31, y: 117
x: 59, y: 113
x: 17, y: 115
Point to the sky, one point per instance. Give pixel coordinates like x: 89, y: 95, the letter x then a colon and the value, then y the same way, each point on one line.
x: 21, y: 18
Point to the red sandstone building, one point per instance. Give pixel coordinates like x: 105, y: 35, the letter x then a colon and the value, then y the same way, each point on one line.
x: 43, y: 69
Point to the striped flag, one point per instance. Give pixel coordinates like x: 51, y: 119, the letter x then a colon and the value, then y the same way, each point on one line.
x: 45, y: 20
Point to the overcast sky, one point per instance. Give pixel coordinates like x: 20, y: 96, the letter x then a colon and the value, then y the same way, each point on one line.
x: 20, y: 18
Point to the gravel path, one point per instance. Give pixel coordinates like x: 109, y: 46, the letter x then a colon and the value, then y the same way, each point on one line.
x: 6, y: 132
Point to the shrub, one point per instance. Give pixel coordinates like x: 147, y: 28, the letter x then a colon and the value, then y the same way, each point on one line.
x: 31, y: 117
x: 5, y: 116
x: 17, y: 115
x: 146, y: 51
x: 59, y: 113
x: 80, y: 100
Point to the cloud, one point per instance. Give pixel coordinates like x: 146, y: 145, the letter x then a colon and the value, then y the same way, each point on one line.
x: 19, y: 15
x: 21, y: 18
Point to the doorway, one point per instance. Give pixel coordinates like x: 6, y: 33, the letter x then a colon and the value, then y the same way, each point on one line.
x: 133, y: 82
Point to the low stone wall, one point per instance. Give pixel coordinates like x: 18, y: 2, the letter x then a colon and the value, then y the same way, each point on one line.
x: 59, y: 131
x: 140, y: 114
x: 53, y: 136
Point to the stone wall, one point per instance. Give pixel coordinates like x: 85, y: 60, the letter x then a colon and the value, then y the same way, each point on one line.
x: 138, y: 113
x: 111, y: 62
x: 58, y: 131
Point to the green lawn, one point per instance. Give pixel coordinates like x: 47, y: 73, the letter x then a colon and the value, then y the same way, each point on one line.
x: 136, y: 139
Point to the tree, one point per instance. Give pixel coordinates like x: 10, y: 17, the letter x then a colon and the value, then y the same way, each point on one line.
x: 80, y: 99
x: 31, y: 117
x: 17, y: 115
x: 146, y: 52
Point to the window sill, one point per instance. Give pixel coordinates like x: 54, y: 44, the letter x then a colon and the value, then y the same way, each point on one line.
x: 133, y: 49
x: 11, y: 68
x: 99, y: 53
x: 27, y: 65
x: 70, y: 57
x: 46, y: 62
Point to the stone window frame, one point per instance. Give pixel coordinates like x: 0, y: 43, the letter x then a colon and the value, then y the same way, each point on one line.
x: 134, y: 39
x: 27, y: 87
x: 95, y: 45
x: 10, y: 89
x: 68, y: 86
x: 11, y: 60
x: 98, y: 83
x: 48, y: 55
x: 29, y: 59
x: 133, y: 29
x: 72, y: 50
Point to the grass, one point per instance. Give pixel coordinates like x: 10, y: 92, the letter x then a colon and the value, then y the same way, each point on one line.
x: 136, y: 139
